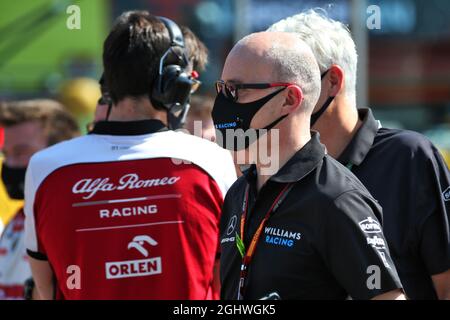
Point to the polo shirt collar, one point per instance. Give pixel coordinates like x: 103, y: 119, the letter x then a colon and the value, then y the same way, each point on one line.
x: 362, y: 141
x: 298, y: 166
x: 128, y: 128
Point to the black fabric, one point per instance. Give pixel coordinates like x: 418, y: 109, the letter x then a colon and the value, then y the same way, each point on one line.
x: 230, y: 116
x: 318, y: 245
x: 407, y: 175
x: 316, y: 115
x: 14, y: 181
x: 37, y: 255
x: 173, y: 85
x: 176, y: 36
x: 128, y: 128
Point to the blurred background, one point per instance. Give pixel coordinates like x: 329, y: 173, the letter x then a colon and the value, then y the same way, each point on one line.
x: 404, y: 67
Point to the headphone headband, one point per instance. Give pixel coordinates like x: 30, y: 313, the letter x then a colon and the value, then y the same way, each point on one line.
x: 173, y: 85
x: 176, y: 36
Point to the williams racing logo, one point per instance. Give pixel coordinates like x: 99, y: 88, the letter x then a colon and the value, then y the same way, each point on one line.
x: 136, y: 268
x: 280, y: 237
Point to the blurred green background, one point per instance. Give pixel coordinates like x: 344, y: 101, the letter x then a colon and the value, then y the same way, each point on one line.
x: 37, y: 50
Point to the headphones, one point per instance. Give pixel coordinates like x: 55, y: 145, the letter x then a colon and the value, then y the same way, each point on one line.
x: 173, y: 85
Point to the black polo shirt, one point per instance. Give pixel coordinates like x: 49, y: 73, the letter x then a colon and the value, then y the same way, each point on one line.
x: 322, y: 241
x: 407, y: 175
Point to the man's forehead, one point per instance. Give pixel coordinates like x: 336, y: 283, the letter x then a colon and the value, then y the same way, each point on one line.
x: 29, y: 130
x: 253, y: 59
x: 26, y: 126
x: 246, y: 66
x: 23, y: 136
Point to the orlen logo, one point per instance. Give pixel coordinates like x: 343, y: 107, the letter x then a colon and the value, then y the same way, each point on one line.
x: 370, y: 225
x: 136, y: 268
x: 138, y: 244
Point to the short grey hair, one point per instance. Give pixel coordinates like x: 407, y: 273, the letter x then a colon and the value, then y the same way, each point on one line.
x: 330, y: 41
x: 296, y: 63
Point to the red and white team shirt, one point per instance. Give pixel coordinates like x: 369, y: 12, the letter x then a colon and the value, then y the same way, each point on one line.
x: 14, y: 265
x: 129, y: 212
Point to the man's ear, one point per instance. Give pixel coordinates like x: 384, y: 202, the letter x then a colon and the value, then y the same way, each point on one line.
x: 293, y: 99
x: 336, y: 80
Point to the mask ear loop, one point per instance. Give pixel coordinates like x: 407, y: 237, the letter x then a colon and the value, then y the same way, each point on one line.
x: 274, y: 123
x: 315, y: 116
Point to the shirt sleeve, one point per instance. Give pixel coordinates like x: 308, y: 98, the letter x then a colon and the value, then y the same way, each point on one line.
x: 355, y: 250
x: 433, y: 204
x: 31, y: 238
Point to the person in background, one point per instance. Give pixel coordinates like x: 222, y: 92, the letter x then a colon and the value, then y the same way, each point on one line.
x: 30, y: 126
x: 8, y: 206
x: 402, y: 169
x: 200, y: 111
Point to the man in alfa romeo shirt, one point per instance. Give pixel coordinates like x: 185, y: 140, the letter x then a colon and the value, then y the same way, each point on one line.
x: 131, y: 211
x: 400, y: 168
x: 310, y: 230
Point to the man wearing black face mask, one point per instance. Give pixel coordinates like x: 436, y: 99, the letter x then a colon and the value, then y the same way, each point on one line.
x: 8, y: 206
x: 309, y: 230
x: 30, y: 126
x: 402, y: 169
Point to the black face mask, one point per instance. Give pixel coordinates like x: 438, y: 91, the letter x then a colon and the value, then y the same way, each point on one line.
x: 316, y: 115
x: 230, y: 116
x: 14, y: 181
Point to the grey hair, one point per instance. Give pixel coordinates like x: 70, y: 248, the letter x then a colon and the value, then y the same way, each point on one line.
x: 330, y: 41
x: 296, y: 63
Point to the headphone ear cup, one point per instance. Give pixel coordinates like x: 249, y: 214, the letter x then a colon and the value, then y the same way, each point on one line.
x: 169, y: 77
x: 173, y: 87
x: 164, y: 82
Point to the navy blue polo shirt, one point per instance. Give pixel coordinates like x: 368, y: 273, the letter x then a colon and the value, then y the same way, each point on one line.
x: 323, y: 242
x: 407, y: 175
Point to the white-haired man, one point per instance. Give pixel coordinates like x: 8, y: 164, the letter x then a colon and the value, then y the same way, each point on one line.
x: 401, y: 169
x: 295, y: 233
